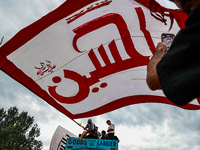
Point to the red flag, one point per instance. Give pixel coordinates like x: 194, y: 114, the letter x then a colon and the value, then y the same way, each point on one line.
x: 89, y: 57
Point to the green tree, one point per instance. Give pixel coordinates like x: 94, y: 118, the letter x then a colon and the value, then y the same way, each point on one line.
x: 17, y: 131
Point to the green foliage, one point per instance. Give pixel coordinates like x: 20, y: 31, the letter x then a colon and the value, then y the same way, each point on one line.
x: 17, y: 131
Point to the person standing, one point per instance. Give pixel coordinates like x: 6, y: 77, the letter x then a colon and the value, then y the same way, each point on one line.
x: 91, y: 128
x: 111, y: 130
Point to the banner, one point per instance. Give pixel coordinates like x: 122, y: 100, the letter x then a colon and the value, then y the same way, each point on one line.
x: 91, y: 144
x: 89, y: 57
x: 59, y: 139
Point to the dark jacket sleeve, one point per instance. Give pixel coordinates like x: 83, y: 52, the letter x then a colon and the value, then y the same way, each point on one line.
x: 179, y: 69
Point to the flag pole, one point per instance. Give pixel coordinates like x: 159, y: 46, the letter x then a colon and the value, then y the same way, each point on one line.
x: 79, y: 124
x: 1, y: 40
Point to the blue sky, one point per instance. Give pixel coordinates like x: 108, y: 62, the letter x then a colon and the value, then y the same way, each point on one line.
x: 139, y: 127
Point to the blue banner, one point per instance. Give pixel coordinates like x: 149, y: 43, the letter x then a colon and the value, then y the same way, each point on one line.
x: 89, y: 144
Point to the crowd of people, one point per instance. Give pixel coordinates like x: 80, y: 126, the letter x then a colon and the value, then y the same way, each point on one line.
x: 91, y: 131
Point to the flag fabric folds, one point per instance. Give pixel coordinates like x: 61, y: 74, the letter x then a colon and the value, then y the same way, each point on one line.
x: 60, y: 137
x: 89, y: 57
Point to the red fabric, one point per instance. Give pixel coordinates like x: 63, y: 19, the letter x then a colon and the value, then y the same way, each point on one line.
x: 135, y: 59
x: 29, y: 32
x: 160, y: 12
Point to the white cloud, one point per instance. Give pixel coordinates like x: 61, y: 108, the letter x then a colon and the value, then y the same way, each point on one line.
x: 15, y: 15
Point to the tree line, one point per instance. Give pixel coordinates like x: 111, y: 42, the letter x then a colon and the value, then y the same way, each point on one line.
x: 18, y: 131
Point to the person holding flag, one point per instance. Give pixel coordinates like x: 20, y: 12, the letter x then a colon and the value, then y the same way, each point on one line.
x: 177, y: 70
x: 90, y: 127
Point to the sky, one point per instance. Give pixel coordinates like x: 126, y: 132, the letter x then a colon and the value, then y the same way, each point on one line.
x: 139, y: 127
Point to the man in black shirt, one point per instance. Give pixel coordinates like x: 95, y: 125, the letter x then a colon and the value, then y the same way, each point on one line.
x: 177, y: 72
